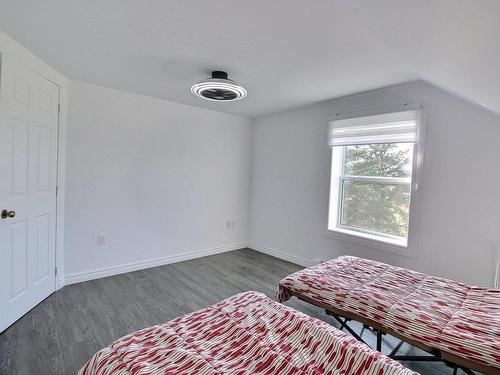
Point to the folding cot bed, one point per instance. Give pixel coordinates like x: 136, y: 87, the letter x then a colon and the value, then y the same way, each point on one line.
x: 244, y: 334
x: 456, y: 323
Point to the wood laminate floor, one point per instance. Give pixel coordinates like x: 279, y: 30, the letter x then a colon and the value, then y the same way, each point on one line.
x: 60, y: 334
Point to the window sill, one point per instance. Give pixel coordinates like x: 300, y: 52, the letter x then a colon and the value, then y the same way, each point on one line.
x: 370, y: 241
x: 371, y: 237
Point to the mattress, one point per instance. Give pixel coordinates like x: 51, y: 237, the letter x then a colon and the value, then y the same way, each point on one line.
x: 455, y: 318
x: 244, y: 334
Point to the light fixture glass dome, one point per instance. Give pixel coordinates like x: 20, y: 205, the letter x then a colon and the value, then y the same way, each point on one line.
x: 219, y: 88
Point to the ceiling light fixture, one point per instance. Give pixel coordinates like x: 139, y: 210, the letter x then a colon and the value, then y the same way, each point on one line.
x: 219, y: 88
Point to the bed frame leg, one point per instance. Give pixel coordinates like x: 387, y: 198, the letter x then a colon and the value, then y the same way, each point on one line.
x: 396, y: 349
x: 434, y: 356
x: 343, y: 324
x: 457, y: 367
x: 379, y: 340
x: 466, y: 370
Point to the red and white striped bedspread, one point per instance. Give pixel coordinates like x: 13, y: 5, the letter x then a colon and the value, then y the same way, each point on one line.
x: 452, y: 317
x: 244, y: 334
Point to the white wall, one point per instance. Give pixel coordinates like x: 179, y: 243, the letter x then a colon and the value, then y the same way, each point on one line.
x: 459, y: 229
x: 159, y: 179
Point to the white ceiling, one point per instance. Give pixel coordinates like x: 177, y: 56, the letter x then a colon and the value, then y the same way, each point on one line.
x: 286, y: 53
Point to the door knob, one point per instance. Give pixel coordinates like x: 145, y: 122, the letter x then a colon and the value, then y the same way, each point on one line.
x: 8, y: 214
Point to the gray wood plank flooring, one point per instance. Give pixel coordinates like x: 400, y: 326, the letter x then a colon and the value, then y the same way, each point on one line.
x: 60, y: 334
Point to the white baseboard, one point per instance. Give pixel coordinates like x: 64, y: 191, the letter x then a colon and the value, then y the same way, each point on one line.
x: 115, y: 270
x: 281, y: 255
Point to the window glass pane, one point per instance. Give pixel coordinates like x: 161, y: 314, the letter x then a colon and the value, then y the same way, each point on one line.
x: 376, y: 206
x: 381, y: 160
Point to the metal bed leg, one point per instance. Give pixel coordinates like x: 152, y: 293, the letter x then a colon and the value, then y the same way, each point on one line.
x: 456, y: 368
x: 434, y: 356
x: 379, y: 340
x: 396, y: 349
x: 467, y: 371
x: 343, y: 324
x: 363, y: 329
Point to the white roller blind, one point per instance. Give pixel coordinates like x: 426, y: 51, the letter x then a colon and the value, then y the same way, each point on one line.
x: 396, y: 127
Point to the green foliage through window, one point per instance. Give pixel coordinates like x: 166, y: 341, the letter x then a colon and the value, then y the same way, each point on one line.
x: 379, y: 199
x: 381, y: 160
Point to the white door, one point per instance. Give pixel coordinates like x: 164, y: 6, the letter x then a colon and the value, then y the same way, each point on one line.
x: 28, y: 165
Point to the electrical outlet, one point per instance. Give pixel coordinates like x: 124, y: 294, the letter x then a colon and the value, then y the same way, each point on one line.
x: 101, y: 240
x: 228, y: 225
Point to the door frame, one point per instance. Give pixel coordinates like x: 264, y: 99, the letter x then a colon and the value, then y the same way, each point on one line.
x: 10, y: 48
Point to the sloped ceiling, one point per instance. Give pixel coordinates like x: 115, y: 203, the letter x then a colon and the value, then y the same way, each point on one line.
x: 287, y: 53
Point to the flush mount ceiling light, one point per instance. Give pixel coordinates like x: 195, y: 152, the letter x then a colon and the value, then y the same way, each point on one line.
x: 219, y: 88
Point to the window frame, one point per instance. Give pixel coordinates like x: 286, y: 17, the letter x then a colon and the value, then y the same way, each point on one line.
x: 365, y: 237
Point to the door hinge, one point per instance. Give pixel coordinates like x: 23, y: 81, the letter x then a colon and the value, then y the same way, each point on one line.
x: 58, y: 108
x: 57, y: 190
x: 55, y: 271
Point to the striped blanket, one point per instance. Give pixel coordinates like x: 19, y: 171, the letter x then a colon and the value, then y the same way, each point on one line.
x: 442, y: 314
x: 244, y: 334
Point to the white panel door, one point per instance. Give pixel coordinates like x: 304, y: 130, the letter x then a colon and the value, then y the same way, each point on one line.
x: 28, y: 167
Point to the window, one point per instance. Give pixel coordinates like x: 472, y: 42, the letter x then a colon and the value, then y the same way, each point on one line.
x: 373, y: 159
